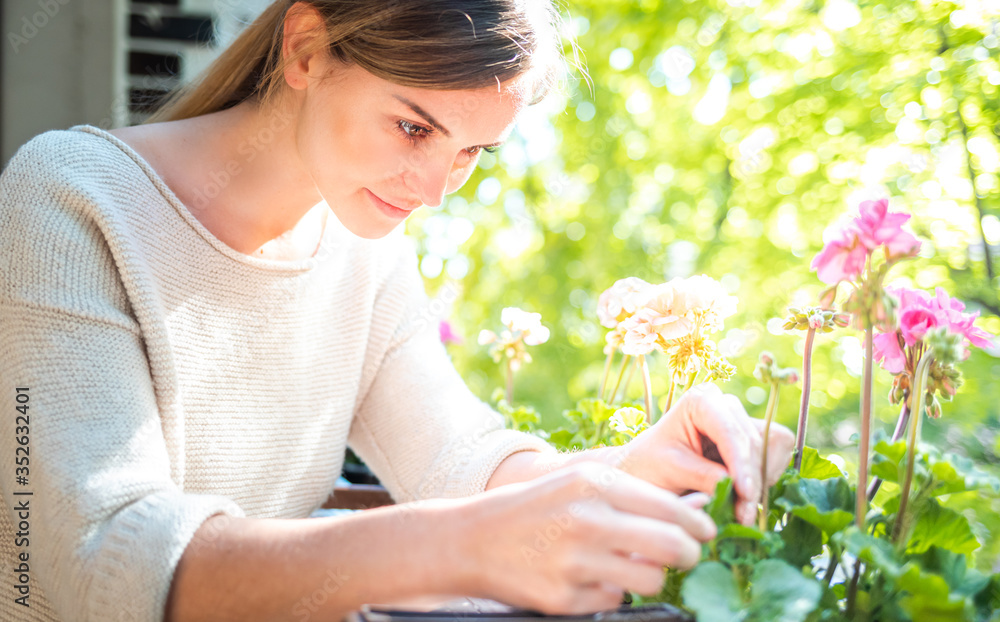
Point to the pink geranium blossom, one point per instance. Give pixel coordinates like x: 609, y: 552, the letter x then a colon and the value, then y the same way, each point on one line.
x: 961, y: 323
x: 847, y: 247
x: 843, y: 256
x: 877, y: 226
x: 918, y: 313
x: 888, y: 352
x: 447, y: 333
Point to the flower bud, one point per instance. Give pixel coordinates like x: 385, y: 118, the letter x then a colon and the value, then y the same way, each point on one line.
x: 946, y: 347
x: 932, y: 406
x: 900, y: 388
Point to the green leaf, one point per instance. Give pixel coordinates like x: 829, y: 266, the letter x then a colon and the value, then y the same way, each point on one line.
x: 939, y: 526
x: 930, y: 597
x: 876, y: 552
x: 815, y: 466
x: 736, y: 530
x: 827, y: 504
x: 987, y: 601
x: 893, y: 452
x: 711, y: 592
x: 957, y: 473
x: 954, y: 569
x: 779, y: 593
x: 721, y: 507
x: 561, y: 438
x: 597, y: 410
x: 802, y: 541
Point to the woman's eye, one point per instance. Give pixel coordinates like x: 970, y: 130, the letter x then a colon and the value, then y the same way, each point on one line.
x: 413, y: 131
x: 475, y: 150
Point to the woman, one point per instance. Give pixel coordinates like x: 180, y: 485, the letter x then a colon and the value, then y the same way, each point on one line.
x: 199, y: 342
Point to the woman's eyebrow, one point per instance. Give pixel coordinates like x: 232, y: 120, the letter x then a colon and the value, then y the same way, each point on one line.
x: 423, y: 113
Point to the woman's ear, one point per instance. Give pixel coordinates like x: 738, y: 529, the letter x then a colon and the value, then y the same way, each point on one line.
x: 303, y: 45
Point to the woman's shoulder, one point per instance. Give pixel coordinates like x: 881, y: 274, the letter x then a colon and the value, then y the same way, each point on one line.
x: 81, y: 156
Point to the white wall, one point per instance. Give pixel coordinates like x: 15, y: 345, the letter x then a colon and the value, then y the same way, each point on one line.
x: 61, y: 66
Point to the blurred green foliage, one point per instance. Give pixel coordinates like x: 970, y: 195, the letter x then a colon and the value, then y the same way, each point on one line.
x: 723, y: 138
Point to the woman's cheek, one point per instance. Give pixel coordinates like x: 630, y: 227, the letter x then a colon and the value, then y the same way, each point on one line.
x: 459, y: 176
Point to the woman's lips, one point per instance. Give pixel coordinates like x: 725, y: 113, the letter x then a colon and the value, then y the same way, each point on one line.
x: 388, y: 208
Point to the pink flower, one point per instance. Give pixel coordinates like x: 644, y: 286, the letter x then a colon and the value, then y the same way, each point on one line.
x: 448, y: 334
x: 888, y: 352
x: 915, y: 322
x: 950, y: 309
x: 877, y: 226
x: 842, y: 258
x: 918, y: 313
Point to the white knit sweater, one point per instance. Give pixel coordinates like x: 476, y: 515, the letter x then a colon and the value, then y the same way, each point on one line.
x: 170, y: 378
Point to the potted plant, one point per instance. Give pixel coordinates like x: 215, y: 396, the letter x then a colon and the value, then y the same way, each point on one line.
x: 826, y: 546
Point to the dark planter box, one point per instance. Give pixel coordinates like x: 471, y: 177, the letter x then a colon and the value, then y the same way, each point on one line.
x: 473, y: 610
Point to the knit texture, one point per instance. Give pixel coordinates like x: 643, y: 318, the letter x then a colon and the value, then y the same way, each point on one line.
x: 171, y: 378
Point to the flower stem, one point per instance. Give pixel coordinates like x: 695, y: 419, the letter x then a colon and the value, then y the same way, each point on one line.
x: 628, y: 377
x: 670, y: 395
x: 690, y: 382
x: 614, y: 392
x: 800, y: 434
x: 904, y: 415
x: 607, y: 371
x: 647, y: 389
x: 510, y: 384
x: 772, y: 407
x: 901, y: 527
x: 861, y: 507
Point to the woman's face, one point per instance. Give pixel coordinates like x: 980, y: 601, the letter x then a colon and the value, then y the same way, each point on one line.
x: 378, y: 150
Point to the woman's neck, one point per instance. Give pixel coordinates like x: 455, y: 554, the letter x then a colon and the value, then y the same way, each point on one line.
x: 239, y: 173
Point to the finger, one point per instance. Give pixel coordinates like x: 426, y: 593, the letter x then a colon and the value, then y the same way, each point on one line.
x: 633, y: 573
x: 635, y: 496
x: 747, y: 504
x: 697, y: 500
x: 666, y: 544
x: 689, y: 471
x: 589, y: 599
x: 713, y: 416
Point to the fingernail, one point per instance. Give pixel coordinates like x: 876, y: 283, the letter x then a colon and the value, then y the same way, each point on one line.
x: 748, y: 487
x: 710, y: 529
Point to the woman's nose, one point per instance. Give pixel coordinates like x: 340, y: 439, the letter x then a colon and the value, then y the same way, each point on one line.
x: 430, y: 182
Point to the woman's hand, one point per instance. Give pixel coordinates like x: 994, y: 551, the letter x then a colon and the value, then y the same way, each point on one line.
x: 571, y: 541
x: 671, y: 453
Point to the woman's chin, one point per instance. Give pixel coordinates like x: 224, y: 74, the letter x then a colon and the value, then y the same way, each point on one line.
x: 368, y: 226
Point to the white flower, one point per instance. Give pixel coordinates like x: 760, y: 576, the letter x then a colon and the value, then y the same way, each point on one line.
x: 619, y: 301
x: 628, y: 420
x: 640, y: 333
x: 667, y: 308
x: 486, y: 336
x: 706, y: 297
x: 528, y: 324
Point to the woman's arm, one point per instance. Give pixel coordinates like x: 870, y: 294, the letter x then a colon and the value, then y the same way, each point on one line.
x: 249, y: 569
x: 559, y: 544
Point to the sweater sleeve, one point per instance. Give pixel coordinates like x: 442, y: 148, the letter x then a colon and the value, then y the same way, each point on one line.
x: 107, y: 523
x: 419, y: 427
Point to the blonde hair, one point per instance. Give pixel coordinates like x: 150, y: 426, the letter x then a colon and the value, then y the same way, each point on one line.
x: 438, y: 44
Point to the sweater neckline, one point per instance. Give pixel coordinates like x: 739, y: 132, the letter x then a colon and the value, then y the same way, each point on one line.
x: 274, y: 265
